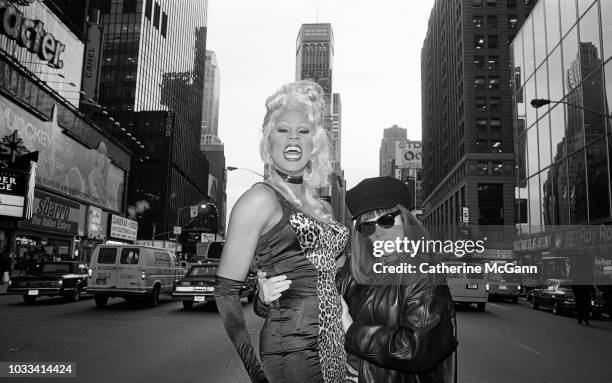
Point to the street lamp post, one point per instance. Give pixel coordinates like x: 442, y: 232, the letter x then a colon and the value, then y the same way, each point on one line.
x: 232, y: 168
x: 540, y: 102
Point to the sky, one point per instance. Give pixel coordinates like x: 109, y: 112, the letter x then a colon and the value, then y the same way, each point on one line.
x: 376, y: 70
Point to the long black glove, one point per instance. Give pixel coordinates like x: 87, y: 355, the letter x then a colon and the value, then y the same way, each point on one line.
x: 227, y: 297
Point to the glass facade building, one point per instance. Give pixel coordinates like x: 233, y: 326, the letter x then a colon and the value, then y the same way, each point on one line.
x: 563, y: 54
x: 152, y: 82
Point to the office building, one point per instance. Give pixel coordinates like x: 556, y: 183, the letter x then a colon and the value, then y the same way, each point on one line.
x: 562, y: 57
x: 468, y: 160
x: 152, y: 82
x: 212, y: 88
x: 387, y: 150
x: 77, y: 198
x: 314, y: 61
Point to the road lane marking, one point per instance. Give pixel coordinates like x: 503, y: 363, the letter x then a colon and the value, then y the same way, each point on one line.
x: 518, y: 344
x: 498, y: 306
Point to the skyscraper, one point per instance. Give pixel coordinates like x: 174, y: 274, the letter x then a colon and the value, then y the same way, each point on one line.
x: 336, y: 130
x: 212, y: 88
x: 468, y: 157
x: 314, y: 61
x: 152, y: 82
x: 387, y: 149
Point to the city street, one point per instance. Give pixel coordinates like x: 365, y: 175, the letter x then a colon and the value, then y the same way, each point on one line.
x: 132, y: 342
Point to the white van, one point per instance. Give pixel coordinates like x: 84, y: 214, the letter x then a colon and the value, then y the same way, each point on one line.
x: 468, y: 287
x: 130, y: 271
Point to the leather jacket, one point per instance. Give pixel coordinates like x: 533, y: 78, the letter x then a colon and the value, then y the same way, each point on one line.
x: 403, y: 330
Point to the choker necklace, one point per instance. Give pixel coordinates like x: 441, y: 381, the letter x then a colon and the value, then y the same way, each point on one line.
x: 291, y: 179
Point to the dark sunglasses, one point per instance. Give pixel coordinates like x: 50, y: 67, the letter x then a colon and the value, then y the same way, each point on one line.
x: 386, y: 221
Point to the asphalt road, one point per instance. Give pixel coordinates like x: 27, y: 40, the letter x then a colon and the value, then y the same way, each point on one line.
x: 128, y: 342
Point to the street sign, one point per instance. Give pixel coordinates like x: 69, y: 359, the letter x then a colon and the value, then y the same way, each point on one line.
x: 466, y: 215
x: 193, y: 211
x: 177, y: 230
x: 208, y: 237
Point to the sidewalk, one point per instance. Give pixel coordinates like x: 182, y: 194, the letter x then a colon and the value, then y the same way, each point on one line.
x: 3, y: 289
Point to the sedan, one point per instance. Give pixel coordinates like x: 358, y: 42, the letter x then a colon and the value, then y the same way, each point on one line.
x: 64, y: 278
x: 198, y: 285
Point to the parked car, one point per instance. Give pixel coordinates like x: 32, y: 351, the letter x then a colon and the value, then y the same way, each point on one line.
x: 65, y: 278
x: 556, y: 295
x: 503, y: 286
x: 197, y: 285
x: 132, y: 271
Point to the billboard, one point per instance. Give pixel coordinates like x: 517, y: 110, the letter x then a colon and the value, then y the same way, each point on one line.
x: 53, y: 214
x: 123, y: 228
x: 93, y: 56
x: 65, y: 165
x: 408, y: 154
x: 13, y: 185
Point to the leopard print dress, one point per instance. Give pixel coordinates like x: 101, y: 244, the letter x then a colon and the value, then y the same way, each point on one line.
x: 302, y: 339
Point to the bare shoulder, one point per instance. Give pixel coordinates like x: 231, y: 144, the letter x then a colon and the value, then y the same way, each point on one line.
x: 259, y: 201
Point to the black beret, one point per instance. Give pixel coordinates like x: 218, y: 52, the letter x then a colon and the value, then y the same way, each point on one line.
x: 377, y: 193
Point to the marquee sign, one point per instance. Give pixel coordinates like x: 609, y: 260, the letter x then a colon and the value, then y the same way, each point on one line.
x: 31, y: 35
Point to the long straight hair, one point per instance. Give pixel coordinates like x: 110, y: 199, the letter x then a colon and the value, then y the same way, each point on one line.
x: 362, y: 258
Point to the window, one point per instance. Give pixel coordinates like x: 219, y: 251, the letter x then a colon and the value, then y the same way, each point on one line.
x: 491, y: 3
x: 148, y: 6
x: 477, y: 21
x: 511, y: 3
x: 477, y: 3
x: 512, y: 22
x: 481, y: 145
x: 479, y: 62
x: 129, y: 6
x: 495, y: 125
x: 494, y: 103
x: 129, y: 256
x: 479, y: 41
x: 156, y: 16
x: 105, y: 7
x: 164, y: 24
x: 107, y: 255
x: 493, y: 82
x: 481, y: 125
x: 481, y: 103
x: 482, y: 168
x: 492, y: 40
x: 479, y: 82
x: 497, y: 168
x: 493, y: 63
x: 496, y: 146
x: 491, y: 21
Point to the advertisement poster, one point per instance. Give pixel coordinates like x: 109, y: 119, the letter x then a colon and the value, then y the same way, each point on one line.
x: 53, y: 214
x: 123, y: 228
x: 65, y: 165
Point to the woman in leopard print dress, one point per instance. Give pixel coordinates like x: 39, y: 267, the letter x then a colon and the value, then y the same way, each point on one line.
x: 289, y: 230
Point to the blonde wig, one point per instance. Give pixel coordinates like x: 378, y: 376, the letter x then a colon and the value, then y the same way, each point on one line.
x: 362, y: 259
x: 307, y: 97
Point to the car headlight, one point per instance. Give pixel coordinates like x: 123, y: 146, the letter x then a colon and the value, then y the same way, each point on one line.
x: 60, y: 283
x: 10, y: 282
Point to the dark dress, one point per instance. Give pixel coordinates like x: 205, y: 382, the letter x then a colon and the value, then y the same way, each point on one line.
x: 302, y: 339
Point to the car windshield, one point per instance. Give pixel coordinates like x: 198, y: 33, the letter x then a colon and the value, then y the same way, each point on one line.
x: 56, y: 268
x: 202, y: 270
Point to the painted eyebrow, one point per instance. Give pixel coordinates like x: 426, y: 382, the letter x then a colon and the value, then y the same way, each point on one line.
x: 287, y: 122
